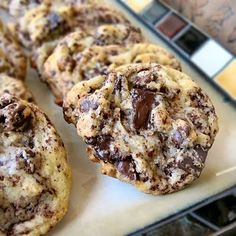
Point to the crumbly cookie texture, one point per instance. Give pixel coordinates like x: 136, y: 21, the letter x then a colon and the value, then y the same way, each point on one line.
x: 42, y: 24
x: 35, y: 179
x: 146, y: 124
x: 45, y: 23
x: 101, y: 30
x: 104, y: 34
x: 73, y: 60
x: 12, y: 59
x: 15, y: 87
x: 20, y: 7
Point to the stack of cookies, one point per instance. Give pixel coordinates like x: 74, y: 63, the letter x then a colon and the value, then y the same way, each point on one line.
x: 143, y: 120
x: 35, y: 178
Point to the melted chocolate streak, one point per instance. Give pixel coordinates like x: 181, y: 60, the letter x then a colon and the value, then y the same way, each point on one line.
x: 142, y: 103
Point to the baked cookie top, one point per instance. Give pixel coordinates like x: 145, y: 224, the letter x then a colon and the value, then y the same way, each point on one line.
x: 15, y: 87
x: 45, y: 23
x: 35, y: 179
x: 41, y: 24
x: 73, y: 60
x: 146, y: 124
x: 20, y: 7
x: 107, y: 34
x: 12, y: 59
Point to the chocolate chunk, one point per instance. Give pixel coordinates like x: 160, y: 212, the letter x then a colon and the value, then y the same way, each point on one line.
x: 15, y: 117
x: 20, y: 116
x: 202, y: 154
x: 180, y: 134
x: 142, y: 103
x: 101, y: 145
x: 188, y: 162
x: 127, y: 168
x: 188, y: 165
x: 86, y: 105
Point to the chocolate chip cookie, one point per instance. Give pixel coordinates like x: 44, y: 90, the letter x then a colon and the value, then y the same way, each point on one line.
x: 35, y: 179
x: 146, y: 124
x: 104, y: 31
x: 12, y: 59
x: 45, y: 23
x: 20, y: 7
x: 14, y: 87
x: 41, y: 24
x: 73, y: 61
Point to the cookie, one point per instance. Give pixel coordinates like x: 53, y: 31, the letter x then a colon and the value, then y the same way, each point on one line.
x: 45, y: 23
x: 14, y: 87
x: 13, y: 61
x: 73, y: 61
x: 103, y: 35
x: 146, y: 124
x: 41, y: 24
x: 102, y: 32
x: 42, y: 53
x: 20, y: 7
x: 69, y: 61
x: 35, y: 179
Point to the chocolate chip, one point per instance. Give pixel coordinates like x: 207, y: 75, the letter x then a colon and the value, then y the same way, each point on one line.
x: 187, y: 164
x: 180, y: 134
x: 101, y: 145
x: 15, y: 116
x: 142, y: 103
x: 162, y: 137
x: 26, y: 35
x: 127, y: 168
x: 86, y: 105
x: 21, y: 119
x: 202, y: 154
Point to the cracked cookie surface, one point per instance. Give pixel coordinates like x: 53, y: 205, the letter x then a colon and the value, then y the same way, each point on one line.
x: 145, y: 124
x: 45, y: 23
x: 35, y: 179
x: 20, y: 7
x: 73, y: 60
x: 106, y: 30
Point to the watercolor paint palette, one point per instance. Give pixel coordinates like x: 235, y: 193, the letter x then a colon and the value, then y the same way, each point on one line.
x: 203, y: 53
